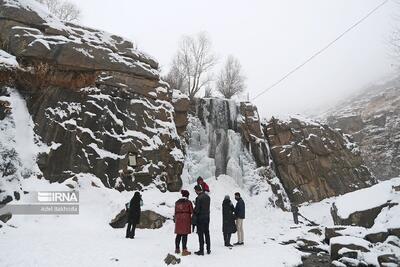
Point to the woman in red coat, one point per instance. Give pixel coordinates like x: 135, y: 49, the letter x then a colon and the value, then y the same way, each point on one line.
x: 183, y: 222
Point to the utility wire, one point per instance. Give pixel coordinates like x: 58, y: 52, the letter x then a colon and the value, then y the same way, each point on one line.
x: 321, y: 50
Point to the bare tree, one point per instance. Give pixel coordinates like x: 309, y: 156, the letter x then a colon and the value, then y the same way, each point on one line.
x: 230, y: 81
x: 193, y: 63
x: 176, y: 77
x: 64, y: 10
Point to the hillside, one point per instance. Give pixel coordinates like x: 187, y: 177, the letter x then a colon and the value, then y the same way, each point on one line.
x: 372, y: 118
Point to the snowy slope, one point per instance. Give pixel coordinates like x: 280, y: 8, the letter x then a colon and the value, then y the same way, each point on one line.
x: 87, y: 239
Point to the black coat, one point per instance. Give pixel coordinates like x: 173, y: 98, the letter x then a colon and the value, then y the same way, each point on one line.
x: 240, y: 209
x: 202, y: 208
x: 134, y: 209
x: 228, y: 217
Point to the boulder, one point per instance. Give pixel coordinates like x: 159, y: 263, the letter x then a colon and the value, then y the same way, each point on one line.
x: 394, y: 231
x: 120, y: 220
x: 5, y: 217
x: 377, y: 237
x: 388, y: 260
x: 393, y: 240
x: 315, y: 231
x: 314, y: 161
x: 350, y: 262
x: 171, y: 259
x: 151, y: 220
x: 320, y: 259
x: 148, y: 220
x: 333, y: 232
x: 364, y: 218
x: 349, y: 243
x: 309, y: 246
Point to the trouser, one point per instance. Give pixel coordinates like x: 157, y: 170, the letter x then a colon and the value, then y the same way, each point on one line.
x: 227, y: 239
x: 178, y: 241
x: 240, y: 232
x: 296, y: 217
x: 204, y: 234
x: 130, y: 230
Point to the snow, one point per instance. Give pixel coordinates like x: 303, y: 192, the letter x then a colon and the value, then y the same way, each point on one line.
x: 348, y: 240
x: 177, y: 154
x: 7, y: 60
x: 104, y: 153
x: 103, y: 244
x: 40, y: 9
x: 178, y: 95
x: 366, y: 198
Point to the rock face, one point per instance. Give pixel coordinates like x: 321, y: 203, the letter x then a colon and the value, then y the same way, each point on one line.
x: 181, y: 105
x: 314, y: 161
x: 372, y: 117
x: 93, y: 99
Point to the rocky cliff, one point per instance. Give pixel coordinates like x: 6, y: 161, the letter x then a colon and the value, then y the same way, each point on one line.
x: 313, y: 161
x: 77, y: 100
x: 93, y: 99
x: 372, y: 116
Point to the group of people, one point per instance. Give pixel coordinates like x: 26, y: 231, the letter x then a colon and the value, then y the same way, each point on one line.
x: 188, y: 218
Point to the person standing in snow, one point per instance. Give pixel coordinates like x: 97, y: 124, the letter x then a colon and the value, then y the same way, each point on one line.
x: 202, y: 214
x: 133, y: 215
x: 295, y: 211
x: 183, y: 222
x: 240, y: 215
x: 203, y: 185
x: 228, y: 220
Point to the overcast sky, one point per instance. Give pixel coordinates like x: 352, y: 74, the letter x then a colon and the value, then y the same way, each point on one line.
x: 269, y: 37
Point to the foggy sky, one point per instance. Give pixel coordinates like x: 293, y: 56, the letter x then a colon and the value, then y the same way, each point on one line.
x: 269, y: 38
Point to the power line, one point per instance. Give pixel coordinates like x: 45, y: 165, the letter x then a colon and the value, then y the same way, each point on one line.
x: 321, y: 50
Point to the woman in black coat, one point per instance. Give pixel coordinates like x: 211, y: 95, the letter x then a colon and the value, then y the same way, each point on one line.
x: 133, y: 215
x: 228, y: 220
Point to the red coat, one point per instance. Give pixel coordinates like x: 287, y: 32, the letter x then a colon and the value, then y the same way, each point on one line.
x: 183, y: 216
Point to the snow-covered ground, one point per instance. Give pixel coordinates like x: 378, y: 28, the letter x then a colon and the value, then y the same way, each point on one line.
x: 87, y: 239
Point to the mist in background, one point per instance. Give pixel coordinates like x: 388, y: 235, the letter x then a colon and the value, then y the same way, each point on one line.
x: 269, y: 38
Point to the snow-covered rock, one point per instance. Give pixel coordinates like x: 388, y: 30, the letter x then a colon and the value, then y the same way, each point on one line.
x: 374, y: 207
x: 315, y: 161
x: 92, y: 99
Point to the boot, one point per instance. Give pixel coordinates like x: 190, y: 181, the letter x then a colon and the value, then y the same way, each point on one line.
x: 185, y: 252
x: 177, y: 251
x: 199, y: 253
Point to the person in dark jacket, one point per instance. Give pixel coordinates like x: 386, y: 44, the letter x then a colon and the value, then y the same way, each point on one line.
x: 295, y: 211
x: 228, y: 220
x: 133, y: 215
x: 204, y: 186
x: 183, y: 222
x: 240, y: 215
x: 202, y: 214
